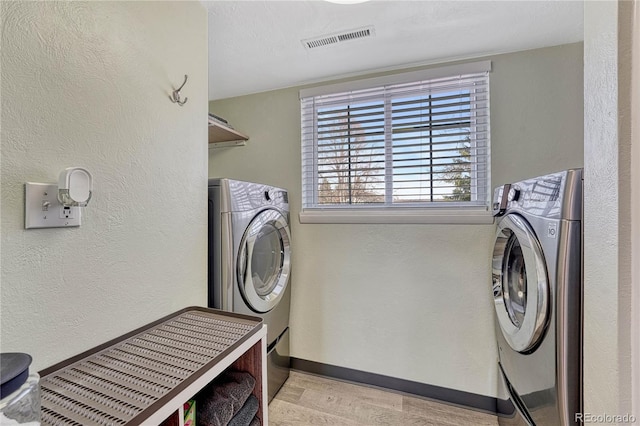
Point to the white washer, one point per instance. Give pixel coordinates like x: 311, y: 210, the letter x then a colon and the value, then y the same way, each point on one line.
x: 537, y: 291
x: 250, y: 262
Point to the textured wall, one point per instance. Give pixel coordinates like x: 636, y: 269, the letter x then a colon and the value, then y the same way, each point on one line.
x: 409, y: 301
x: 87, y: 83
x: 635, y: 208
x: 607, y: 209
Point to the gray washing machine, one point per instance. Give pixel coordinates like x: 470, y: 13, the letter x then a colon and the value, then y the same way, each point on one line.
x: 250, y: 262
x: 537, y: 293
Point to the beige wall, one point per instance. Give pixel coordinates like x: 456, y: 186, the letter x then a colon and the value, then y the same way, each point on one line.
x: 87, y: 84
x: 607, y: 209
x: 409, y: 301
x: 635, y: 207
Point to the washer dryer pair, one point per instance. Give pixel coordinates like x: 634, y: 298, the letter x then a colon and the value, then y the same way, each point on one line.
x: 537, y: 292
x: 250, y: 262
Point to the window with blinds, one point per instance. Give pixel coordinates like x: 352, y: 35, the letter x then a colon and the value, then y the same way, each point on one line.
x: 422, y: 143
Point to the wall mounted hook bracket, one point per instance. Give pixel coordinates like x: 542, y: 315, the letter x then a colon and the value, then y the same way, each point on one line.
x: 175, y: 97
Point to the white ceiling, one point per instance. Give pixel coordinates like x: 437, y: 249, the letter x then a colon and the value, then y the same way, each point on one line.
x: 255, y: 46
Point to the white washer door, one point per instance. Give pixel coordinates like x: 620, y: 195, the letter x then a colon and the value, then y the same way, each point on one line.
x: 520, y: 285
x: 264, y: 260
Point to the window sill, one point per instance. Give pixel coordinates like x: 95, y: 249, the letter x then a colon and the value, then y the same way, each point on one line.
x: 414, y: 216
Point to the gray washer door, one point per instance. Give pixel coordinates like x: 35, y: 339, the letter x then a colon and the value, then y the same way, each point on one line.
x: 520, y: 284
x: 264, y: 260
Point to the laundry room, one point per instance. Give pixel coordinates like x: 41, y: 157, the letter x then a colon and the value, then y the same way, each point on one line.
x: 357, y: 253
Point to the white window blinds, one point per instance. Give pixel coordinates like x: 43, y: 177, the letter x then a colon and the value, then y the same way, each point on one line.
x: 419, y: 144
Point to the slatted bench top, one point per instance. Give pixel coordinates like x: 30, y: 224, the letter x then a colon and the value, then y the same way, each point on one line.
x: 126, y: 380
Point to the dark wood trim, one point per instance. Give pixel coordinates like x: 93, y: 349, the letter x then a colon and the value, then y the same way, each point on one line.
x: 459, y: 398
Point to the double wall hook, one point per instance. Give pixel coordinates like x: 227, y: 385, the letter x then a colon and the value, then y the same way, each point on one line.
x: 175, y: 97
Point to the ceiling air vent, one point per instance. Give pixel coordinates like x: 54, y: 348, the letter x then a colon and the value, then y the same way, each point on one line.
x: 340, y: 37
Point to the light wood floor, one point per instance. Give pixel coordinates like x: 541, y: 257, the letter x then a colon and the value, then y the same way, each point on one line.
x: 306, y: 399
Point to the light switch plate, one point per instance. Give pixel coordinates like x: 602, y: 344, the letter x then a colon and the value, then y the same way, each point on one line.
x: 43, y: 210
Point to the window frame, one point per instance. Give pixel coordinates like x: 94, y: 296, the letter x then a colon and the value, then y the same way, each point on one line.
x: 440, y: 212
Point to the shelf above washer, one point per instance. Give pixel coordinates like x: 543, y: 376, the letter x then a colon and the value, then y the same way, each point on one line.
x: 221, y: 136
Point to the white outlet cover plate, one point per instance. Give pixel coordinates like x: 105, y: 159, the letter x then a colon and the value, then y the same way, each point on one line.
x: 43, y: 210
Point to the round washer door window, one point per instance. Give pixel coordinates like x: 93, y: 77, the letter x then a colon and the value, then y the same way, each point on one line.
x: 520, y: 285
x: 264, y: 260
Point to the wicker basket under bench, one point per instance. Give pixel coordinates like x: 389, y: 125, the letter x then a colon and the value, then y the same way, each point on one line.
x: 145, y: 376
